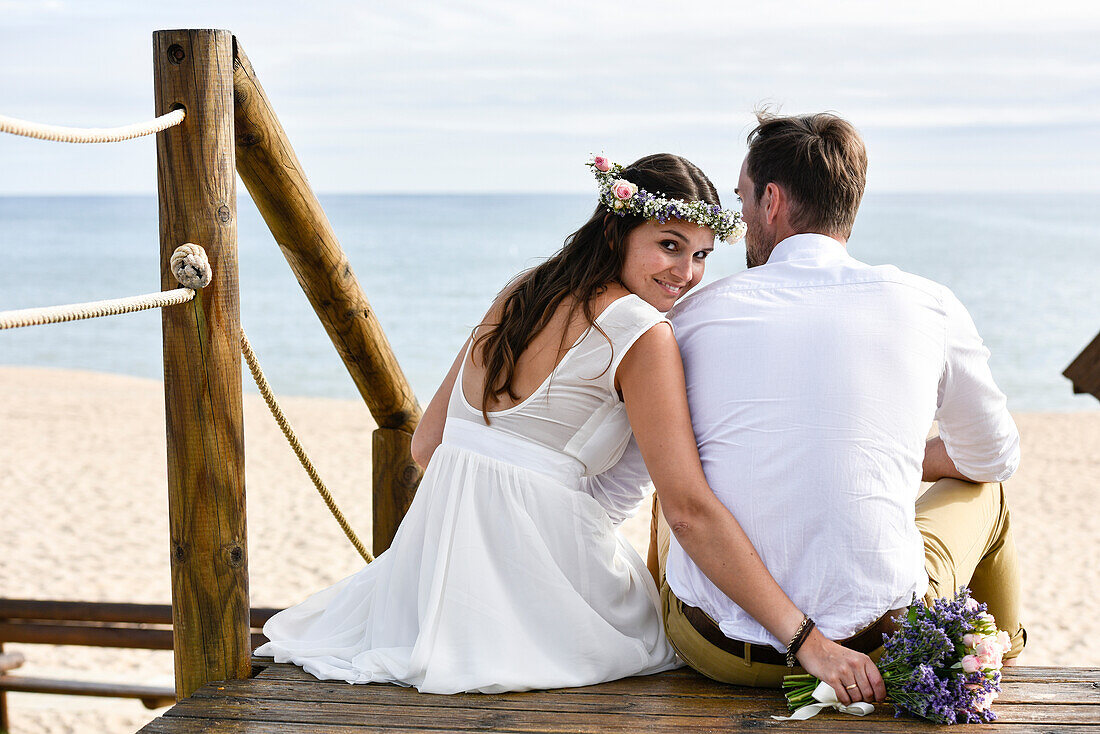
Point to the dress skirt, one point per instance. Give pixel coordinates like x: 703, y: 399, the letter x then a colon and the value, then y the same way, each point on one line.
x: 500, y: 578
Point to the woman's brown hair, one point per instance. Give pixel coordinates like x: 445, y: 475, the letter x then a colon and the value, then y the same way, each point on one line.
x: 591, y: 258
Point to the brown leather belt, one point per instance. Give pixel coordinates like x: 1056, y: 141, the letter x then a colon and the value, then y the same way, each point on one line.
x: 864, y: 641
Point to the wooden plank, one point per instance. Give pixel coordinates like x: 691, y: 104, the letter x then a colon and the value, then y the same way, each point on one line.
x: 196, y: 184
x: 642, y: 698
x: 1023, y: 683
x: 83, y: 611
x: 153, y: 697
x: 93, y: 635
x: 1084, y: 371
x: 176, y: 725
x: 592, y: 722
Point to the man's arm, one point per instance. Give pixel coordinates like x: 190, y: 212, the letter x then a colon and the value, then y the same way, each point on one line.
x: 979, y: 437
x: 937, y: 464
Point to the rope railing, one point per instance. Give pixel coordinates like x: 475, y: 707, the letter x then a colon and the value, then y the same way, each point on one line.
x: 93, y: 309
x: 62, y: 134
x: 191, y: 268
x: 295, y: 444
x: 189, y: 265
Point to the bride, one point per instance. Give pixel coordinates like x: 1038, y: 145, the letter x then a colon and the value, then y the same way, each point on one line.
x: 506, y: 574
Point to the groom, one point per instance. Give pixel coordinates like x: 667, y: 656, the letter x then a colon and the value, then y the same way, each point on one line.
x: 813, y: 379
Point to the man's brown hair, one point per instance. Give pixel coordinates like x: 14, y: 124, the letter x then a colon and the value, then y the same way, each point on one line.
x: 821, y: 162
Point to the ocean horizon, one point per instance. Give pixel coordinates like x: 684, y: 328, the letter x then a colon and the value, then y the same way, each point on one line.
x: 1026, y: 266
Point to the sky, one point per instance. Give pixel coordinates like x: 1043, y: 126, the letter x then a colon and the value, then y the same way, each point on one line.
x: 512, y: 96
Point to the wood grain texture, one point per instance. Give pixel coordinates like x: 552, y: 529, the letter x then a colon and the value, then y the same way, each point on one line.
x: 396, y: 477
x: 279, y: 699
x: 1084, y: 371
x: 278, y: 184
x: 196, y: 184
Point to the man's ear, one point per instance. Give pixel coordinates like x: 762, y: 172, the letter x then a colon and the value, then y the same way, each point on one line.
x: 773, y: 200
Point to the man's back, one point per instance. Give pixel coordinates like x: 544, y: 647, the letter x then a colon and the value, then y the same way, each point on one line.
x: 812, y: 382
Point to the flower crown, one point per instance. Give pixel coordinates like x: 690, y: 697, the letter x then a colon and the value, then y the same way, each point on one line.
x: 623, y: 197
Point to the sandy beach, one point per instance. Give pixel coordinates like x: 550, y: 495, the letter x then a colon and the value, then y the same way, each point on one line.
x: 83, y: 516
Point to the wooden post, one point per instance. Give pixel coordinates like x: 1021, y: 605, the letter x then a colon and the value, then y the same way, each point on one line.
x: 196, y: 182
x: 1084, y: 371
x: 275, y: 179
x: 396, y: 477
x: 4, y: 724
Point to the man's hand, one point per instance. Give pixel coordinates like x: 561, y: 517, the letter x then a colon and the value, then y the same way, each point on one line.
x: 937, y: 464
x: 841, y: 667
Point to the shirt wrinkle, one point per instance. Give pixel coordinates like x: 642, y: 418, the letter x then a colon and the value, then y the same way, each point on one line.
x: 813, y: 381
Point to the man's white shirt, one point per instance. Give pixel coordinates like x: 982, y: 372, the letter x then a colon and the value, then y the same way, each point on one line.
x: 813, y: 381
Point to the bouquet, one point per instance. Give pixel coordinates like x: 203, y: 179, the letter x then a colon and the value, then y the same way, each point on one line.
x: 943, y: 664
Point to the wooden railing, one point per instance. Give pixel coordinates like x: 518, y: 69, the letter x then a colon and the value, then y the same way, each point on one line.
x: 230, y: 128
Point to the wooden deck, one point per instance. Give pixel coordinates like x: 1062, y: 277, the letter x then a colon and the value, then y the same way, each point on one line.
x: 282, y: 698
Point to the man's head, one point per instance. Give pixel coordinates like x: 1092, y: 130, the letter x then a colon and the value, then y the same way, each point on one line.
x: 804, y: 173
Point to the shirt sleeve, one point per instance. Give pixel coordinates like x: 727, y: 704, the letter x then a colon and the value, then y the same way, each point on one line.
x: 974, y: 422
x: 621, y: 489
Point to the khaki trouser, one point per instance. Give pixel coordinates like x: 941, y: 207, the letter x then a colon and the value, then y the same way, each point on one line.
x: 967, y: 542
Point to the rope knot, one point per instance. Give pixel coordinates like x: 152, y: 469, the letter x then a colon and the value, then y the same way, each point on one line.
x: 191, y: 266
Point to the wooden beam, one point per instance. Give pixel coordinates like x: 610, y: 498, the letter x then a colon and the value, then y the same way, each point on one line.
x: 1084, y: 371
x: 153, y: 697
x: 80, y: 611
x: 396, y: 477
x: 196, y: 183
x: 278, y: 185
x: 97, y: 635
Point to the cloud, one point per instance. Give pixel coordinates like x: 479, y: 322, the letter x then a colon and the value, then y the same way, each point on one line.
x: 354, y: 83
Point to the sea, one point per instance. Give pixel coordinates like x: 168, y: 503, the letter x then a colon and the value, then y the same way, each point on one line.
x: 1026, y: 266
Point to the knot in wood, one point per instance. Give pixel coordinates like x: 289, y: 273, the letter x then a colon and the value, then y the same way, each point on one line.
x: 191, y: 266
x: 224, y: 214
x: 410, y: 475
x: 234, y: 554
x: 176, y: 54
x: 179, y: 553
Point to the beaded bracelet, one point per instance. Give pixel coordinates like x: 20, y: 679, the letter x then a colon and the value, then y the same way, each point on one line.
x: 800, y: 636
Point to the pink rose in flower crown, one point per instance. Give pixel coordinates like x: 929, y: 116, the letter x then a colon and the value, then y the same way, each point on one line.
x: 971, y: 664
x: 971, y: 640
x: 623, y: 190
x: 602, y: 164
x: 1004, y: 640
x: 971, y: 604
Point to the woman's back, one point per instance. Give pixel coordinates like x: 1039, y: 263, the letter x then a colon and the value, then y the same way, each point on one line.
x: 569, y: 403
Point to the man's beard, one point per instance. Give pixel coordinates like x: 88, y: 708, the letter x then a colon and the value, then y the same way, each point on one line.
x: 759, y: 248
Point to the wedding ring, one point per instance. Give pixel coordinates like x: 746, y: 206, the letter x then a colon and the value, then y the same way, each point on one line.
x: 848, y: 688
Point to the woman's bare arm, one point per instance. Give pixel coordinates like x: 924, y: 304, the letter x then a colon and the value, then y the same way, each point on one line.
x: 429, y: 432
x: 651, y: 378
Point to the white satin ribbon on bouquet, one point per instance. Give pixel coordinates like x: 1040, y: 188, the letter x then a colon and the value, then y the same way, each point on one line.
x: 826, y: 699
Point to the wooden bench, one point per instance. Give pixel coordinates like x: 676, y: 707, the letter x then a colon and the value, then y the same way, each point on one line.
x: 144, y: 626
x: 282, y: 698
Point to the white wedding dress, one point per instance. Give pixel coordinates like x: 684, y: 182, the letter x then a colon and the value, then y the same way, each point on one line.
x: 504, y: 575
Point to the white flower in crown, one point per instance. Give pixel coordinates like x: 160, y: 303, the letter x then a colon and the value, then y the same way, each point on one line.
x: 624, y: 197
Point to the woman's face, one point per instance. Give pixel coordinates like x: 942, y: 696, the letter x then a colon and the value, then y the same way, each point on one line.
x: 662, y: 262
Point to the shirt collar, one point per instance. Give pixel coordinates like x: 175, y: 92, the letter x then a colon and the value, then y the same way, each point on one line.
x: 807, y: 246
